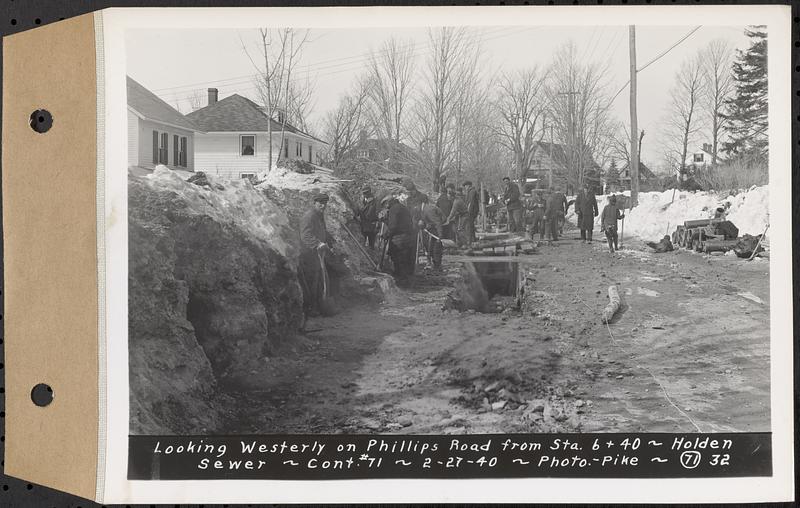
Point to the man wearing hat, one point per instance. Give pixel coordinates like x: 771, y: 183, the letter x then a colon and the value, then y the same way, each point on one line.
x: 315, y: 250
x: 445, y: 204
x: 401, y: 237
x: 368, y: 217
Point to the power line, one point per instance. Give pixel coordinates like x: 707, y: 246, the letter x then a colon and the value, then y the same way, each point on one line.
x: 320, y: 65
x: 184, y: 95
x: 655, y: 59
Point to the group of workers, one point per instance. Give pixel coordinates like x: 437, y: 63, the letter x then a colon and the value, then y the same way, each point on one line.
x: 405, y: 227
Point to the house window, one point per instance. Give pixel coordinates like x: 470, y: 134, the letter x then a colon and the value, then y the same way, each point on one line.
x: 249, y: 176
x: 163, y: 150
x: 183, y: 152
x: 698, y: 157
x: 247, y: 144
x: 155, y: 147
x: 363, y: 154
x: 285, y: 148
x: 296, y: 148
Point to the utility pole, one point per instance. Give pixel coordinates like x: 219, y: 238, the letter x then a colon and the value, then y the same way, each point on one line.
x: 634, y: 164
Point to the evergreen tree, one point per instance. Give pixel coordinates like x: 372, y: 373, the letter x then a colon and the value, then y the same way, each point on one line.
x: 747, y: 109
x: 612, y: 177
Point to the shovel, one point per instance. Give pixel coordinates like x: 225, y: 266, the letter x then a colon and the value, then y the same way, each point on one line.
x: 326, y: 305
x: 446, y: 242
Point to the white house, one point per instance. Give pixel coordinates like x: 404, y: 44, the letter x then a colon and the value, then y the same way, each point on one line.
x: 700, y: 157
x: 157, y: 132
x: 234, y: 140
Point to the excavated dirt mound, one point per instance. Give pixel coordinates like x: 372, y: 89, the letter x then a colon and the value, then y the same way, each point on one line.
x: 213, y: 292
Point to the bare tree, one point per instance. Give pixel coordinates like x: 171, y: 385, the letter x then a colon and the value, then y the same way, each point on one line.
x: 717, y: 60
x: 578, y: 102
x: 683, y: 120
x: 390, y: 72
x: 279, y: 51
x: 521, y: 105
x: 343, y: 125
x: 196, y: 100
x: 451, y: 62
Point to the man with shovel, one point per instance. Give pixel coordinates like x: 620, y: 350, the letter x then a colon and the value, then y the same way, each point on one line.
x: 319, y: 267
x: 430, y: 223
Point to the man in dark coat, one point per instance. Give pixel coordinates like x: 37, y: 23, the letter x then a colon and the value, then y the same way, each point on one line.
x: 368, y: 217
x: 608, y: 221
x: 457, y: 219
x: 445, y: 204
x: 472, y: 201
x: 401, y: 237
x: 586, y: 208
x: 513, y: 205
x: 555, y: 210
x: 430, y: 223
x: 315, y: 252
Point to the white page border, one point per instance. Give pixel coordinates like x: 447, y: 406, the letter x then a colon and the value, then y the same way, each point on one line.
x: 118, y: 489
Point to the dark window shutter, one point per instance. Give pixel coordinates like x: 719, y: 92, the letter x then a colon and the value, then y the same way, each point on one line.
x: 176, y: 158
x: 184, y: 152
x: 163, y: 156
x: 155, y: 147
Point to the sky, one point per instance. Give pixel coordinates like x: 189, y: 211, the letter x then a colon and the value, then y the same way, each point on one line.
x: 176, y: 64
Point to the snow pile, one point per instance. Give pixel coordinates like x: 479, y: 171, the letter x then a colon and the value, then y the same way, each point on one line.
x: 230, y: 201
x: 657, y: 214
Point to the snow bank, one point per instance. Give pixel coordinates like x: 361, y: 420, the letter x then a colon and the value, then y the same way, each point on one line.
x: 230, y: 201
x: 657, y: 214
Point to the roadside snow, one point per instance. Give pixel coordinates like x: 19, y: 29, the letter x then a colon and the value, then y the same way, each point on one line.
x: 658, y: 215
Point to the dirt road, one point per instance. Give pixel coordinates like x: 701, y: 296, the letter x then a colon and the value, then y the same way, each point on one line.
x: 688, y: 351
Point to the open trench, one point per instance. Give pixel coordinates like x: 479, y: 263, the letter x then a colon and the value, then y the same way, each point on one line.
x: 500, y: 346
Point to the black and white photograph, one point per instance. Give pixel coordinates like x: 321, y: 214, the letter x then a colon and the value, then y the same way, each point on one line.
x: 450, y: 232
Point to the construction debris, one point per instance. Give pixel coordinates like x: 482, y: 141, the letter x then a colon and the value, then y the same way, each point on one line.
x: 613, y: 304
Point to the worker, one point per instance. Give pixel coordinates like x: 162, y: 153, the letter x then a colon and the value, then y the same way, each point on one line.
x: 316, y: 252
x: 608, y: 220
x: 513, y: 205
x: 368, y: 217
x: 430, y: 224
x: 537, y: 215
x: 402, y: 240
x: 473, y: 207
x: 586, y: 208
x: 457, y: 218
x: 555, y: 210
x: 445, y: 204
x: 665, y: 245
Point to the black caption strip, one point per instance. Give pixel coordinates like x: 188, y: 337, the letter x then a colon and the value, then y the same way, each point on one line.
x: 332, y: 457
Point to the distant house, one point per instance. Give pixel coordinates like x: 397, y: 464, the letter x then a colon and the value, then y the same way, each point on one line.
x: 383, y: 154
x: 551, y: 158
x: 157, y: 132
x: 235, y: 144
x: 648, y: 181
x: 701, y: 157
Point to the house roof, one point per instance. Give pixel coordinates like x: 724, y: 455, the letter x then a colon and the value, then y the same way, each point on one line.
x: 384, y: 146
x: 235, y: 113
x: 150, y: 106
x: 644, y: 172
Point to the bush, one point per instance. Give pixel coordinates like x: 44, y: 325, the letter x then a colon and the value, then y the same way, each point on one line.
x: 739, y: 173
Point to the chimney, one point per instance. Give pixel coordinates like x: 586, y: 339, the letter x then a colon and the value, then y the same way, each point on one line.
x: 213, y: 93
